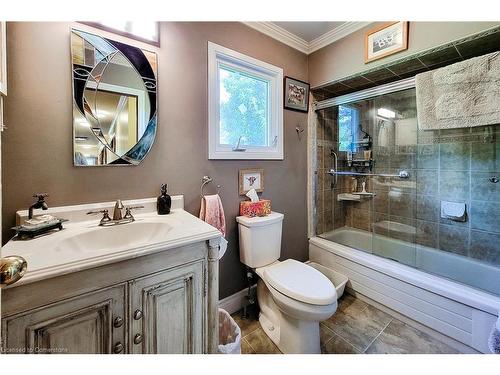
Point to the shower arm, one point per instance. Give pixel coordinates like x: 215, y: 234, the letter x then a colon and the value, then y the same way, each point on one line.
x: 404, y: 175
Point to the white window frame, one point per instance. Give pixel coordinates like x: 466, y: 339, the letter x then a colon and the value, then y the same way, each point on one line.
x: 222, y: 56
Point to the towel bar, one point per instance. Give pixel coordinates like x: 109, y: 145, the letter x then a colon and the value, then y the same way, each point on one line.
x: 205, y: 180
x: 404, y: 175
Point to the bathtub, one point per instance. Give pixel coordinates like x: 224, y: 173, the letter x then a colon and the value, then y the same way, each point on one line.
x: 461, y: 312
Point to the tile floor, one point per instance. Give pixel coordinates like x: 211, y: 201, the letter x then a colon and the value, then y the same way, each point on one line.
x: 356, y: 327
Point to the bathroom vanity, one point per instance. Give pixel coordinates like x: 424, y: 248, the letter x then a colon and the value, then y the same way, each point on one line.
x: 150, y: 286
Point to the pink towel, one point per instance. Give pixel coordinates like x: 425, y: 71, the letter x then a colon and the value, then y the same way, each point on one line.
x: 212, y: 212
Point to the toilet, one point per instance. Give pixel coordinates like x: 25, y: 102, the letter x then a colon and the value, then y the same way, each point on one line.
x: 293, y: 296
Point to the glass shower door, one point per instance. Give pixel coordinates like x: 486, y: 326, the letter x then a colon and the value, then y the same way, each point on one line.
x: 458, y: 200
x: 360, y: 206
x: 442, y: 219
x: 394, y: 223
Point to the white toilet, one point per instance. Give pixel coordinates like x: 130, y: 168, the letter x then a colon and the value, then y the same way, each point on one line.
x: 293, y: 296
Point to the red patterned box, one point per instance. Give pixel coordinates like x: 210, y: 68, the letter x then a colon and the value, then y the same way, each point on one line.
x: 251, y: 209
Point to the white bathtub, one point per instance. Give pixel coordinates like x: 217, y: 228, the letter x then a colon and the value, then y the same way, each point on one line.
x: 456, y: 310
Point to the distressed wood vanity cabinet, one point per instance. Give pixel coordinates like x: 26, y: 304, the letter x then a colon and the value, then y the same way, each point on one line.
x: 164, y: 301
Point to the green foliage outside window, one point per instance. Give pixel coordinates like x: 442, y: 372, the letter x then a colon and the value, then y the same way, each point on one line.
x: 348, y: 118
x: 243, y: 109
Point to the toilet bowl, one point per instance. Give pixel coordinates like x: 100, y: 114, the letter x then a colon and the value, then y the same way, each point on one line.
x: 293, y: 296
x: 292, y: 302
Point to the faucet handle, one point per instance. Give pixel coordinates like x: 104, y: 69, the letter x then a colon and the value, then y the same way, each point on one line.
x: 105, y: 216
x: 105, y: 212
x: 128, y: 214
x: 134, y: 207
x: 40, y: 195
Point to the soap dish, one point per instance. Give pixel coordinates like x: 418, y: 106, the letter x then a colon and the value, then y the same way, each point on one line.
x: 348, y: 197
x: 365, y: 193
x: 31, y: 231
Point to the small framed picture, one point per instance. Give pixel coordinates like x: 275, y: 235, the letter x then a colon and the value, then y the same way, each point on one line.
x: 251, y: 179
x: 296, y: 95
x: 386, y: 40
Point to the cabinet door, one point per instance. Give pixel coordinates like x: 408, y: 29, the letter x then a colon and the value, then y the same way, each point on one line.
x: 167, y: 311
x: 92, y: 323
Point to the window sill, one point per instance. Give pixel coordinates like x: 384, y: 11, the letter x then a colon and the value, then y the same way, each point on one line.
x: 245, y: 155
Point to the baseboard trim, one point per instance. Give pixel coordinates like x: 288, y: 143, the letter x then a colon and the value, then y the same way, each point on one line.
x: 236, y: 301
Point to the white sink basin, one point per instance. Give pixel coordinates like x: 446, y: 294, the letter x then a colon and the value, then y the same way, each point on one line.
x: 129, y: 235
x: 82, y: 244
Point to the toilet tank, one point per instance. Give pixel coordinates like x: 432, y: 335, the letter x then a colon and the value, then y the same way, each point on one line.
x: 260, y: 239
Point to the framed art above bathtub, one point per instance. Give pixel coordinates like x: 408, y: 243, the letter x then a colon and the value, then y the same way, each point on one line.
x: 386, y: 40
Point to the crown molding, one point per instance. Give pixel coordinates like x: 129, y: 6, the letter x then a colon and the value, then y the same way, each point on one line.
x: 292, y: 40
x: 337, y: 33
x: 279, y: 33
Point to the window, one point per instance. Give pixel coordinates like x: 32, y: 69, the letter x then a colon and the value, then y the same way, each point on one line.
x: 348, y: 128
x: 245, y: 98
x: 144, y: 31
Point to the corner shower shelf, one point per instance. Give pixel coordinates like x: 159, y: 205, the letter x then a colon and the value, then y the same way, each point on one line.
x: 355, y: 197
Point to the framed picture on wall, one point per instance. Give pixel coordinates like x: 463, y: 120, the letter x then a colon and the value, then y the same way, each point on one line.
x: 386, y: 40
x: 296, y: 95
x: 251, y: 179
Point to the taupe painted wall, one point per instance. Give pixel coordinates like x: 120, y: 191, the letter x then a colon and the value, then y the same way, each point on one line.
x: 346, y: 56
x: 37, y: 150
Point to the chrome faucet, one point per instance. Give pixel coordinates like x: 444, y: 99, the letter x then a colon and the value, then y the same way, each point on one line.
x: 117, y: 212
x: 118, y: 218
x: 40, y: 203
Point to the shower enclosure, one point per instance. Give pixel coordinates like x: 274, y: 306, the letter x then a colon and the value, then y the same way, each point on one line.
x: 427, y: 199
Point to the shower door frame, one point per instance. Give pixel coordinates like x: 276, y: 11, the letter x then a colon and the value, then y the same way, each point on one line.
x: 388, y: 88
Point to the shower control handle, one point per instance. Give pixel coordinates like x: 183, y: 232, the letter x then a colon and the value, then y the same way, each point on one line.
x: 404, y: 175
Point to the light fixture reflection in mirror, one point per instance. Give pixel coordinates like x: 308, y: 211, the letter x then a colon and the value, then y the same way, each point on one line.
x: 114, y: 101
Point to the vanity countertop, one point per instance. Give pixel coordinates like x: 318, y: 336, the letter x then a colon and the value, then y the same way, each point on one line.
x: 83, y: 244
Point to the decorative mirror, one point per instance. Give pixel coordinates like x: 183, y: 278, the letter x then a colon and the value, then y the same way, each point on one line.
x: 114, y: 101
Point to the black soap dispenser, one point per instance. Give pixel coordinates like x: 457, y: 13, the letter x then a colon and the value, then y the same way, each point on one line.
x: 164, y: 202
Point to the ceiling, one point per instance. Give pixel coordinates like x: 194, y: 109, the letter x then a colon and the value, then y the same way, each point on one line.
x: 308, y: 30
x: 307, y: 37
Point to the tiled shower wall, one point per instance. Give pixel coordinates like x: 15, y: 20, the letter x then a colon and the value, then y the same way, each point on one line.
x: 329, y: 213
x: 453, y: 165
x: 456, y: 165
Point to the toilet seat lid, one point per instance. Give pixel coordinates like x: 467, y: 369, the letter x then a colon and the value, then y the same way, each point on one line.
x: 299, y: 281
